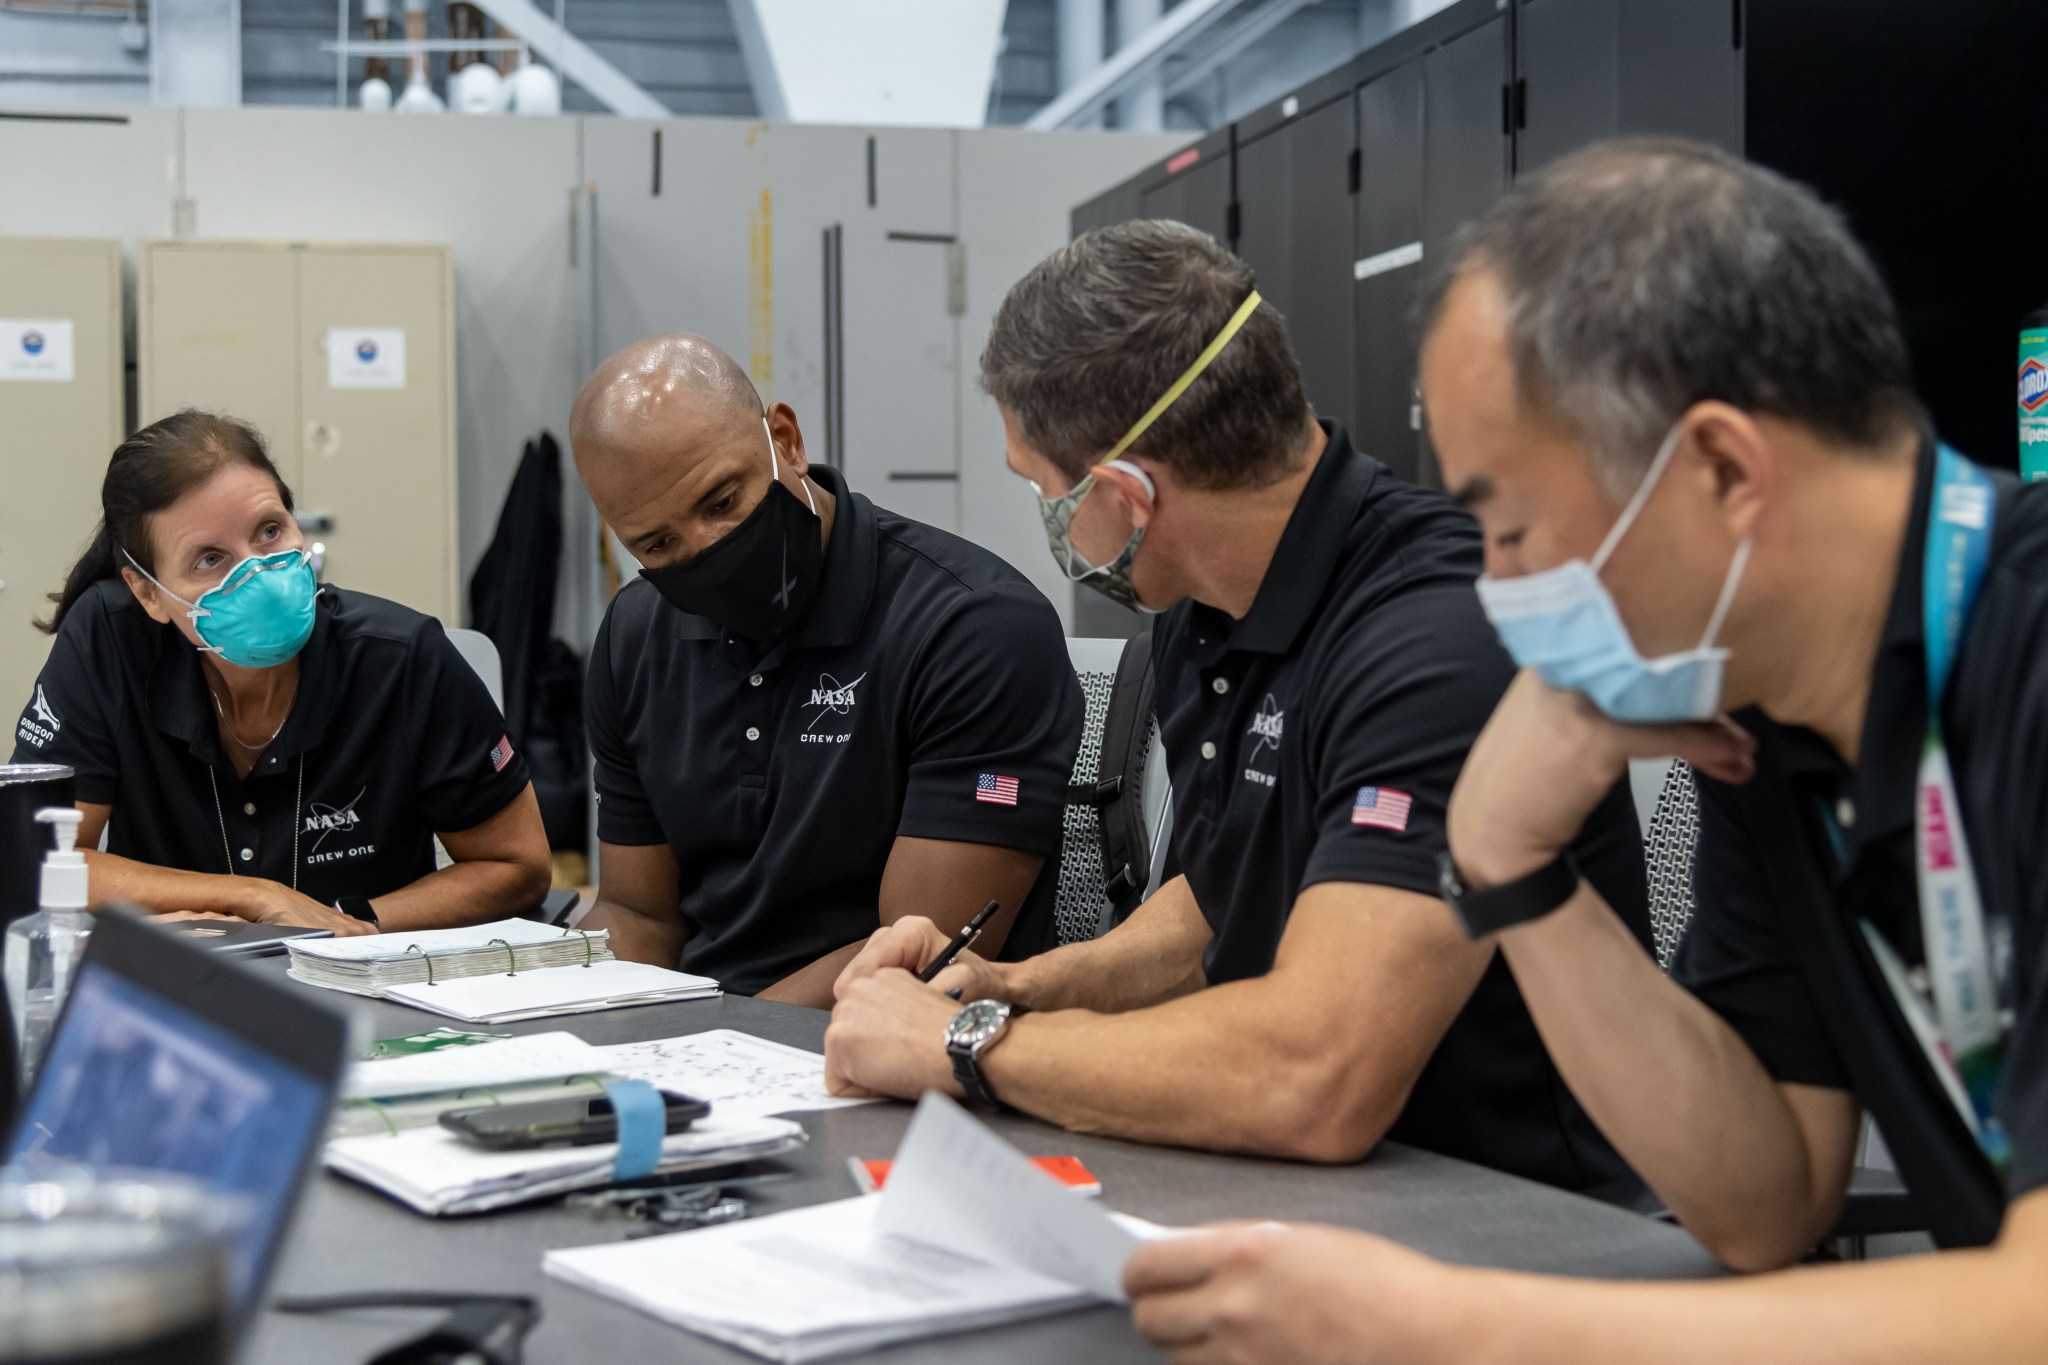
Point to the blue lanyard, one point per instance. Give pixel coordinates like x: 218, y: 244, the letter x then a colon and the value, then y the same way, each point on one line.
x: 1958, y: 548
x: 1963, y: 1033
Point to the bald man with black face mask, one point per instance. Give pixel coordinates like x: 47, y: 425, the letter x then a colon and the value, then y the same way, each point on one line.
x: 810, y: 716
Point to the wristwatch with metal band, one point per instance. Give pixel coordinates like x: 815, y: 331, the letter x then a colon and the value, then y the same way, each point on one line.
x: 971, y: 1032
x: 1527, y: 897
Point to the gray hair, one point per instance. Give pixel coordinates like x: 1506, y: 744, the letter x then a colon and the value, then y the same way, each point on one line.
x: 1087, y: 341
x: 1646, y: 275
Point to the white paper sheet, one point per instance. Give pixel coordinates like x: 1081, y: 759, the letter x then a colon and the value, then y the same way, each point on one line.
x: 380, y: 947
x: 550, y: 991
x: 434, y: 1171
x: 958, y: 1186
x: 737, y: 1072
x: 967, y: 1233
x: 514, y: 1061
x: 809, y: 1284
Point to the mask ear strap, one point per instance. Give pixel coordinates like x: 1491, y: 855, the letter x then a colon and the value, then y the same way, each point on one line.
x: 192, y: 607
x: 1727, y: 599
x: 775, y: 468
x: 1642, y: 495
x: 1151, y: 492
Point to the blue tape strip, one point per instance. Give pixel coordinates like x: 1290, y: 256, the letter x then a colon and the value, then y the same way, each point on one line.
x: 643, y: 1122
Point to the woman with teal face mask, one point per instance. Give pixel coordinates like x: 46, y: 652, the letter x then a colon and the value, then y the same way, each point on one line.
x: 253, y: 743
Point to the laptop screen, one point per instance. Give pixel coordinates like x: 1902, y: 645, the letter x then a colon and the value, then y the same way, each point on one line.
x: 133, y: 1079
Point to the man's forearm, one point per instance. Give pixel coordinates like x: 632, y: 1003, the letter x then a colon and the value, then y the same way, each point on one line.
x: 1210, y: 1071
x: 1985, y: 1307
x: 1712, y: 1133
x: 636, y: 937
x: 1154, y: 956
x: 472, y: 892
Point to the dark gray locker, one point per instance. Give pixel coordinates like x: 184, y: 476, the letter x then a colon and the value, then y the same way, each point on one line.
x: 1119, y: 205
x: 1387, y: 255
x: 1265, y: 215
x: 1198, y: 196
x: 1681, y: 69
x: 1295, y: 228
x: 1567, y: 77
x: 1465, y: 150
x: 1465, y: 147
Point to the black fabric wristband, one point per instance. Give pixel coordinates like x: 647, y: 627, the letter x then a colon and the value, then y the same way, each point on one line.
x: 1527, y: 897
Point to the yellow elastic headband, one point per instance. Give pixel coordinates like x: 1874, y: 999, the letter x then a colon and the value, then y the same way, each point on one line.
x: 1194, y: 372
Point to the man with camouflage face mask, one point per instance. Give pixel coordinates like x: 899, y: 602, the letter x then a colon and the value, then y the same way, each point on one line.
x: 1322, y: 666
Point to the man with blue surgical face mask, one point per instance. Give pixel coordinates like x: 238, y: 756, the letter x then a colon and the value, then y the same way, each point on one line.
x: 1322, y: 666
x: 1717, y: 525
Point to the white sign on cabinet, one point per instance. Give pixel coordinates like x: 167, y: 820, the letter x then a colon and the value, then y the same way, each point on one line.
x: 36, y: 350
x: 366, y: 357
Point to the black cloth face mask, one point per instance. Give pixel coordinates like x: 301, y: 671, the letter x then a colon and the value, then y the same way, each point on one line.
x: 758, y: 577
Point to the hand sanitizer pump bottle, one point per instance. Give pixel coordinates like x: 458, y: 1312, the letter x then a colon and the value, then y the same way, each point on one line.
x: 43, y: 949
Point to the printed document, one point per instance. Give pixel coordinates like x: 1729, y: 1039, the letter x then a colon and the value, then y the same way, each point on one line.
x: 966, y: 1234
x: 736, y: 1072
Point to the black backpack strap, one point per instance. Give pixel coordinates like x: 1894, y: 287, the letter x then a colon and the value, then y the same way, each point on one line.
x: 1120, y: 791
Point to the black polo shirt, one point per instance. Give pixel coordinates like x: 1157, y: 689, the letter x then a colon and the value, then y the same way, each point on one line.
x: 391, y: 740
x: 926, y: 693
x: 1788, y: 863
x: 1318, y: 739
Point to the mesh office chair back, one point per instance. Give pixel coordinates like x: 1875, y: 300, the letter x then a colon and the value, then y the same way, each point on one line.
x: 1668, y: 846
x: 1118, y: 802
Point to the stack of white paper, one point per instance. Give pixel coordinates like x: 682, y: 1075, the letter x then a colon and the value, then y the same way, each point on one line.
x: 436, y: 1172
x: 369, y: 963
x: 492, y: 973
x: 558, y: 990
x: 967, y: 1233
x: 511, y: 1061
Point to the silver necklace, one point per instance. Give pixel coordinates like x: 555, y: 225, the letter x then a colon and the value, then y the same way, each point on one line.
x: 229, y: 730
x: 221, y: 816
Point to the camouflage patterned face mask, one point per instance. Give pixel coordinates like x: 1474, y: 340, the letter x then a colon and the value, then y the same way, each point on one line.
x: 1112, y: 580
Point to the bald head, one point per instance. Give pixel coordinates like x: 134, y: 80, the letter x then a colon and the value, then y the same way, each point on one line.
x: 660, y: 398
x: 672, y: 443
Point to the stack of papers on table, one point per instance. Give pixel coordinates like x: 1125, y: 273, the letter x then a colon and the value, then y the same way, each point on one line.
x: 492, y: 973
x: 966, y: 1234
x: 436, y: 1172
x: 561, y: 990
x: 413, y: 1091
x: 510, y: 1061
x: 368, y: 963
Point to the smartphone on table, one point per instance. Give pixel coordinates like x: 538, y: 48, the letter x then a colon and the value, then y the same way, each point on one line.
x: 573, y: 1121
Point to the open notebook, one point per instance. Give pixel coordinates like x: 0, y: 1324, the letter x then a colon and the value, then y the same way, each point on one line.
x: 492, y: 973
x: 966, y: 1234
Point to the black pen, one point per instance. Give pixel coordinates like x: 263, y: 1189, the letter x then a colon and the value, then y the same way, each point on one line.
x: 969, y: 932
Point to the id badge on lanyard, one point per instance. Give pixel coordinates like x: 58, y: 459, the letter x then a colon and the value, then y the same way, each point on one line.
x: 1964, y: 1031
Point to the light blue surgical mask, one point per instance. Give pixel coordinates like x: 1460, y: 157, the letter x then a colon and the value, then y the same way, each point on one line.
x: 260, y: 615
x: 1563, y: 623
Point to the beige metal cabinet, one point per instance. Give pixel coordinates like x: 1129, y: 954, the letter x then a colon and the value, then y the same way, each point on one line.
x: 344, y: 358
x: 60, y: 418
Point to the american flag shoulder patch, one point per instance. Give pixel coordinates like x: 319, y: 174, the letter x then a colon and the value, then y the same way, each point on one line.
x: 1382, y: 808
x: 501, y: 753
x: 996, y: 789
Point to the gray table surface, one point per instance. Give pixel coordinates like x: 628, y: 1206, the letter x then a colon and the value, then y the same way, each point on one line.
x: 349, y: 1238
